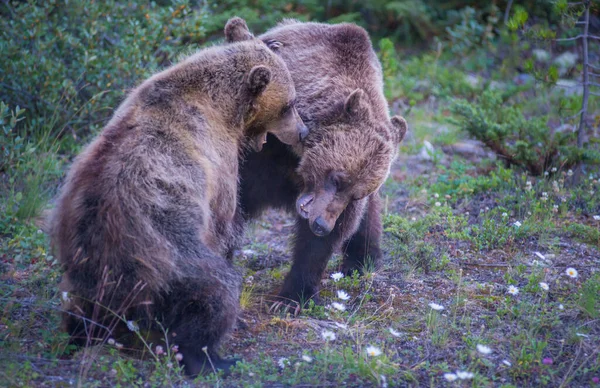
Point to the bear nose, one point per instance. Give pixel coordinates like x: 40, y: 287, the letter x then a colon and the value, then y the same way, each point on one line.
x: 320, y: 227
x: 302, y: 131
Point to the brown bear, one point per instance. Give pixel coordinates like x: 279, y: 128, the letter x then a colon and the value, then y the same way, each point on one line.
x: 331, y: 181
x: 145, y: 217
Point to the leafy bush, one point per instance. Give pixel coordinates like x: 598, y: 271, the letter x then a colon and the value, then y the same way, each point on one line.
x: 527, y: 142
x: 69, y: 63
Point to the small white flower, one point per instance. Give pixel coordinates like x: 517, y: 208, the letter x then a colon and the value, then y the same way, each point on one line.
x: 572, y: 272
x: 464, y: 375
x: 438, y: 204
x: 338, y: 306
x: 383, y: 381
x: 555, y: 208
x: 597, y: 218
x: 159, y: 350
x: 282, y: 362
x: 450, y: 376
x: 132, y: 326
x: 373, y: 351
x: 394, y: 332
x: 544, y: 286
x: 546, y: 173
x: 513, y: 290
x: 343, y: 295
x: 517, y: 224
x: 179, y: 356
x: 506, y: 362
x: 328, y: 335
x: 342, y: 326
x: 570, y: 172
x: 337, y: 276
x: 111, y: 341
x: 504, y: 215
x: 484, y: 349
x: 436, y: 307
x: 307, y: 358
x: 436, y: 195
x: 553, y: 169
x: 65, y: 296
x: 561, y: 307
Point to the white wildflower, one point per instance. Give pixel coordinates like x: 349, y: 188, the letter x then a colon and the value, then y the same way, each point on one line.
x: 513, y: 290
x: 282, y: 362
x: 484, y: 349
x: 132, y: 326
x: 572, y: 272
x: 111, y: 341
x: 436, y: 195
x: 179, y: 356
x: 517, y: 224
x: 561, y: 307
x: 337, y: 276
x: 464, y: 375
x: 328, y: 335
x: 597, y: 218
x: 553, y: 169
x: 544, y: 286
x: 307, y: 358
x: 436, y: 307
x: 159, y: 350
x: 570, y: 172
x: 338, y: 306
x: 373, y: 351
x: 343, y: 295
x: 504, y: 214
x: 438, y: 204
x: 450, y: 376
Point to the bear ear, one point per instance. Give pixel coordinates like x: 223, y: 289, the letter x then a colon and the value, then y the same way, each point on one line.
x: 258, y: 79
x: 399, y: 127
x: 355, y: 105
x: 236, y: 30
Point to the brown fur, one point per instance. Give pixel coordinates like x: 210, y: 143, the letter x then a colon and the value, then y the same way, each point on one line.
x: 146, y: 212
x: 334, y: 179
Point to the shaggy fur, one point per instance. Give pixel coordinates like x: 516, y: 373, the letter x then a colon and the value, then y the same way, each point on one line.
x: 332, y: 182
x: 146, y: 214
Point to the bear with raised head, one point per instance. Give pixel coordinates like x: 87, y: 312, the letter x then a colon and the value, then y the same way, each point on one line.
x: 332, y: 181
x: 146, y: 214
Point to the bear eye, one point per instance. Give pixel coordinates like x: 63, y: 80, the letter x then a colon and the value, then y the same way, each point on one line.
x: 337, y: 181
x: 288, y: 107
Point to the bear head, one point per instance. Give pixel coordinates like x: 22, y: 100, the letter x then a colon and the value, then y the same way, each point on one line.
x: 347, y: 159
x: 273, y: 93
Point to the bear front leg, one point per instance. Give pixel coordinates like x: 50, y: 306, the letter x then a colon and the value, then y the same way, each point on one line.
x: 363, y: 249
x: 310, y: 256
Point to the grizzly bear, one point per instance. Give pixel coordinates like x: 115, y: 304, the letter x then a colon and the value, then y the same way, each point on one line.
x: 145, y: 217
x: 332, y: 181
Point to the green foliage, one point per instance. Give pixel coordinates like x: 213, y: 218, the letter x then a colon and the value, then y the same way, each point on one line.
x: 589, y: 300
x: 411, y: 239
x: 11, y: 142
x: 389, y: 62
x: 523, y: 141
x: 587, y: 234
x: 82, y: 57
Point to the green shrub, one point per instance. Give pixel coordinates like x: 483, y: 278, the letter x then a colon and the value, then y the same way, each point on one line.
x: 523, y: 141
x: 70, y: 63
